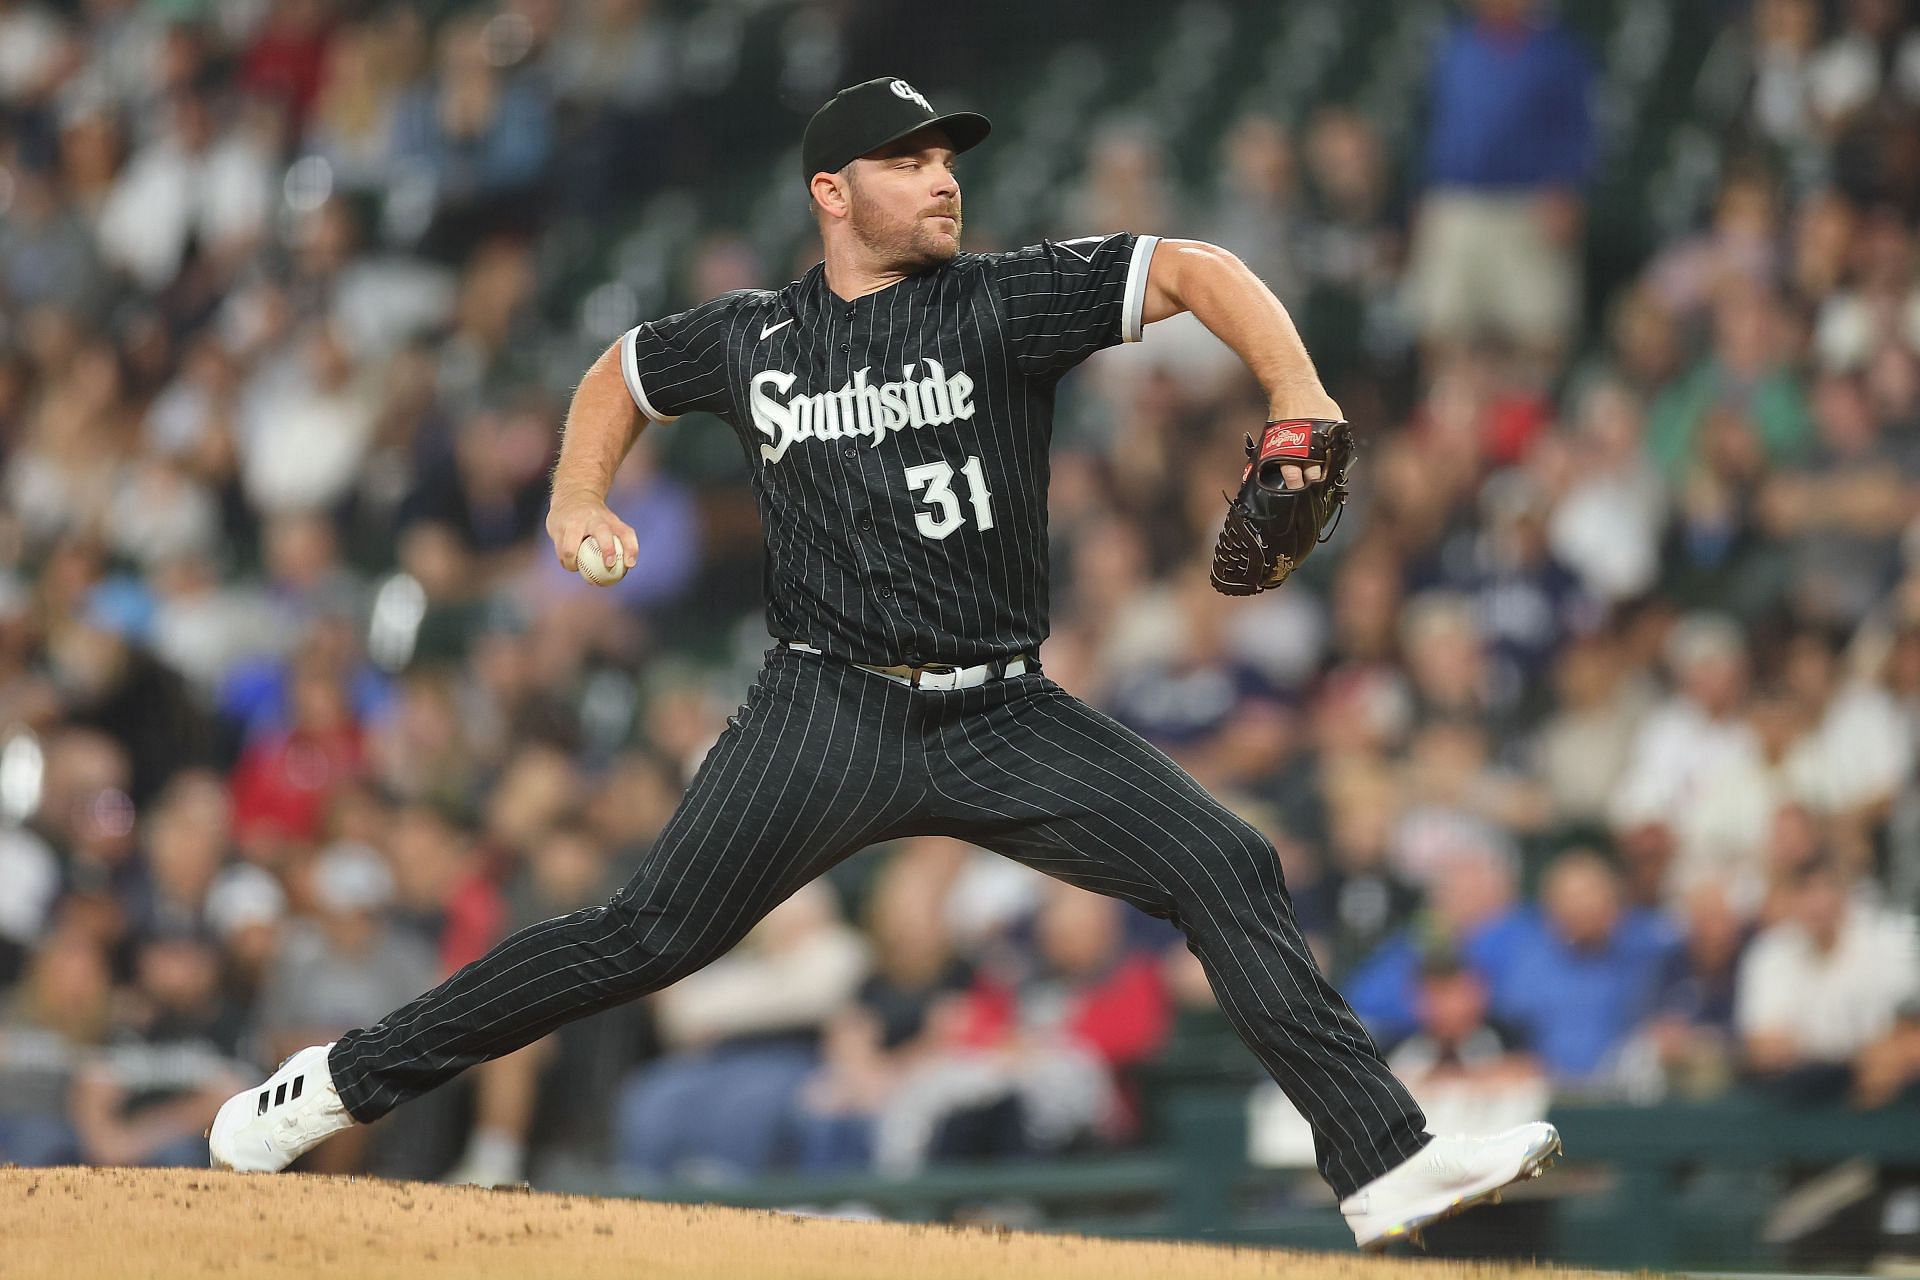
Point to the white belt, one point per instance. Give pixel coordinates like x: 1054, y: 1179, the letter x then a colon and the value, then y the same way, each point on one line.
x: 938, y: 675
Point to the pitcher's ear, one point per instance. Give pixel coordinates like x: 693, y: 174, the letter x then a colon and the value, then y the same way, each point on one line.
x: 831, y: 193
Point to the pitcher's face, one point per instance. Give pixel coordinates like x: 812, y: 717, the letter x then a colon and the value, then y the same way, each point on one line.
x: 904, y: 202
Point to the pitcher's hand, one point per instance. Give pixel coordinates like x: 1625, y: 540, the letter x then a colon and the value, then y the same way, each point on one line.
x: 575, y: 517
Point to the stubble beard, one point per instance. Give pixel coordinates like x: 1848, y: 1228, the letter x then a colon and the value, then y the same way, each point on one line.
x: 909, y: 246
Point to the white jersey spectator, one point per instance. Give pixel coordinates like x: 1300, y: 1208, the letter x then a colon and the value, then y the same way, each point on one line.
x: 1823, y: 984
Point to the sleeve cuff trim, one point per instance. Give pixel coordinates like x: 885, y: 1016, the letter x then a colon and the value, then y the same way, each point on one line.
x: 1133, y: 302
x: 630, y: 372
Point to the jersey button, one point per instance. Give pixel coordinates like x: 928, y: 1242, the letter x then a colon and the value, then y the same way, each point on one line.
x: 885, y: 593
x: 865, y: 522
x: 850, y: 452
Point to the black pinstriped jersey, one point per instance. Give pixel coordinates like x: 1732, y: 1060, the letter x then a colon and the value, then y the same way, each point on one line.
x: 898, y: 442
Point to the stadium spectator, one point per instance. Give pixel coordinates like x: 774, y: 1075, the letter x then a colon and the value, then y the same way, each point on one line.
x: 1585, y: 744
x: 567, y: 869
x: 57, y: 1015
x: 1458, y: 803
x: 284, y: 61
x: 1688, y: 1046
x: 1855, y: 749
x: 1255, y: 205
x: 1458, y: 1048
x: 1471, y: 912
x: 183, y: 846
x: 1034, y: 1065
x: 1887, y: 1069
x: 284, y: 779
x: 1352, y: 245
x: 1871, y: 58
x: 1585, y: 974
x: 1680, y: 742
x: 1776, y: 81
x: 1609, y: 503
x: 1843, y: 554
x: 36, y: 43
x: 904, y: 1012
x: 47, y: 254
x: 1359, y: 900
x: 148, y: 1094
x: 1742, y: 407
x: 1509, y: 151
x: 1823, y: 985
x: 1126, y: 183
x: 193, y: 186
x: 349, y: 957
x: 87, y: 820
x: 468, y: 140
x: 1741, y: 248
x: 1721, y: 835
x: 742, y: 1037
x: 364, y: 68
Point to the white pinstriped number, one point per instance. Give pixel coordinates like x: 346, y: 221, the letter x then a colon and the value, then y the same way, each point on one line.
x: 977, y: 490
x: 937, y: 479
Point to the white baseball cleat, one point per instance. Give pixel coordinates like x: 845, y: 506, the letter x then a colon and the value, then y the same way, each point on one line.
x: 264, y: 1130
x: 1447, y: 1176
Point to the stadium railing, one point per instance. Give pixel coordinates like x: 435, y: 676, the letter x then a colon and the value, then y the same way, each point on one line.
x: 1669, y: 1185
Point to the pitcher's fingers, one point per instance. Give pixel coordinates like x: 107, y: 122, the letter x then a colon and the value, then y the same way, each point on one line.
x: 566, y: 544
x: 631, y: 541
x: 1316, y: 473
x: 1291, y: 477
x: 607, y: 540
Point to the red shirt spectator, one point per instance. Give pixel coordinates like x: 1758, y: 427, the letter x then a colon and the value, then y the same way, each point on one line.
x: 285, y: 780
x: 286, y: 60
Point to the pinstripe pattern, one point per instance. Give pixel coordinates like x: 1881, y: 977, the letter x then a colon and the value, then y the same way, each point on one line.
x: 824, y: 759
x: 848, y: 570
x: 1038, y: 775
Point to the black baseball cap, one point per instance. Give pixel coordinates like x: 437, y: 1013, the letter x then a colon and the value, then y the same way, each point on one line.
x: 867, y: 116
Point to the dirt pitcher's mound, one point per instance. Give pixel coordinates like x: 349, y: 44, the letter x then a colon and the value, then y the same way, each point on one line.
x: 188, y: 1222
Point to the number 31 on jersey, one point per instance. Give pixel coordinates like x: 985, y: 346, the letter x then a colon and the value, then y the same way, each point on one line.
x: 945, y: 515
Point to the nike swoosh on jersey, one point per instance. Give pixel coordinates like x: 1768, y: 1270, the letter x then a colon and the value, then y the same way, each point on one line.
x: 775, y: 328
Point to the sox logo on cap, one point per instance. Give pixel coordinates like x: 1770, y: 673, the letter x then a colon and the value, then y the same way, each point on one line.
x: 901, y: 89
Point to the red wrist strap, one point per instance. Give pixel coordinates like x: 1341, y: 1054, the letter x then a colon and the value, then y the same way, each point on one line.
x: 1288, y: 438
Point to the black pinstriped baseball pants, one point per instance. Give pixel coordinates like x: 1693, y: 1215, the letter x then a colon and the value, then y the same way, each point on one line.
x: 826, y: 758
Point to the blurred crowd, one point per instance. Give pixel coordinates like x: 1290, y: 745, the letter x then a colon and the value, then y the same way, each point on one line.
x: 1588, y: 743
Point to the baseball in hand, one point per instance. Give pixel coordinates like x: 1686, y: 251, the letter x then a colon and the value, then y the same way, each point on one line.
x: 593, y: 564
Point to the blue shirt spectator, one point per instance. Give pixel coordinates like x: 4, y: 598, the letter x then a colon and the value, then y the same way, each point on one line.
x: 1510, y: 103
x: 1585, y: 972
x: 473, y: 130
x: 1385, y: 990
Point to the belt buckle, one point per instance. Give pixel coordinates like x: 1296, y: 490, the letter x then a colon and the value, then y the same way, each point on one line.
x: 931, y: 668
